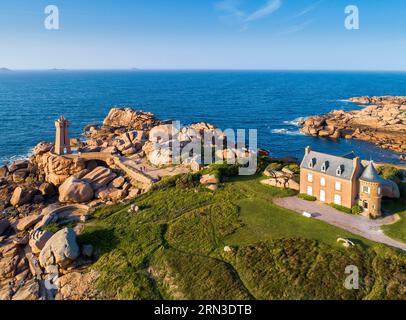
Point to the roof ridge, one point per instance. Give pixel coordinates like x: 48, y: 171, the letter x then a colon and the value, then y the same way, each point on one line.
x: 331, y: 155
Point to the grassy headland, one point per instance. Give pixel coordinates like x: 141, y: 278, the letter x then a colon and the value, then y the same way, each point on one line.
x: 174, y: 248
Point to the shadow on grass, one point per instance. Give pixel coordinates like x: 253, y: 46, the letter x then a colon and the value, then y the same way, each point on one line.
x: 103, y: 240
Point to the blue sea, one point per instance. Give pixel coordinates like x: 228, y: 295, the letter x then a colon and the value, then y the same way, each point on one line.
x: 268, y: 101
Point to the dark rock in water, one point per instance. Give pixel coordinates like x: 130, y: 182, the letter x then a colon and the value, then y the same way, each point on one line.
x: 19, y: 164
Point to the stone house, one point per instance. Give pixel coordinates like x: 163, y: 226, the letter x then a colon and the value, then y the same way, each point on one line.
x: 344, y: 181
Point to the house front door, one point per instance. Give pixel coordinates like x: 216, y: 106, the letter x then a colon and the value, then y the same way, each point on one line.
x: 322, y: 195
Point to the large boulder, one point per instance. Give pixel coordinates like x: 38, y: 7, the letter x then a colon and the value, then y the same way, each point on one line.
x: 130, y: 118
x: 75, y: 190
x: 19, y: 164
x: 209, y: 179
x: 117, y: 182
x: 161, y: 156
x: 21, y: 196
x: 20, y: 175
x: 27, y: 222
x: 59, y: 168
x: 99, y: 177
x: 163, y: 133
x: 29, y: 291
x: 3, y: 171
x: 38, y: 239
x: 47, y: 189
x: 77, y: 286
x: 60, y: 249
x: 42, y: 147
x: 111, y: 193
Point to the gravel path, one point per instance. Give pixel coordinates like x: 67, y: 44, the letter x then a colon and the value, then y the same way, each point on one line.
x: 367, y: 228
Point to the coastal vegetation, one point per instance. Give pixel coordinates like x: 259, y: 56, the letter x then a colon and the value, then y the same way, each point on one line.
x: 188, y: 242
x: 398, y: 229
x: 306, y: 197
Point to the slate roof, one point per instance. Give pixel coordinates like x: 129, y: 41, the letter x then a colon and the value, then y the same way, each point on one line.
x: 331, y: 162
x: 371, y: 175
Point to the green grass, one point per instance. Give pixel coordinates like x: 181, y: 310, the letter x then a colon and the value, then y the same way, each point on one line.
x: 398, y: 229
x: 266, y: 221
x: 173, y: 248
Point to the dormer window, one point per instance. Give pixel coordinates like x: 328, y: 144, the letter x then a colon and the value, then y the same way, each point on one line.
x: 340, y: 170
x: 312, y: 162
x: 324, y: 166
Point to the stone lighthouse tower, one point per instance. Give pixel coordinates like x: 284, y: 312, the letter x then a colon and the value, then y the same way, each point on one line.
x: 62, y: 142
x: 370, y: 195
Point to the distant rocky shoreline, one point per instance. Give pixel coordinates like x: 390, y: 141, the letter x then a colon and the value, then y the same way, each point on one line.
x: 382, y: 122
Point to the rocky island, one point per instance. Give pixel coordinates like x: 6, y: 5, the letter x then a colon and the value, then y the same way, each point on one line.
x: 382, y: 122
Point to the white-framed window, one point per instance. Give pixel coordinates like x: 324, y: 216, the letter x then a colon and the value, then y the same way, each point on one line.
x: 338, y: 185
x: 322, y: 181
x: 309, y: 190
x: 322, y: 195
x: 310, y: 177
x: 379, y: 191
x: 337, y: 199
x: 366, y: 189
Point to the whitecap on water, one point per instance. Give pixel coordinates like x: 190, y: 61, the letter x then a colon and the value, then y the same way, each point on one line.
x: 295, y: 122
x: 286, y: 131
x: 11, y: 159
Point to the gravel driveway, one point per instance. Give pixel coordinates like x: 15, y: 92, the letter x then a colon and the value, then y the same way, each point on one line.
x: 367, y: 228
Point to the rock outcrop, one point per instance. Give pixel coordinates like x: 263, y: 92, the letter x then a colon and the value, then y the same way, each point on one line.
x: 99, y: 177
x: 130, y: 118
x: 21, y: 196
x: 59, y: 168
x: 60, y: 249
x: 74, y: 190
x: 383, y: 123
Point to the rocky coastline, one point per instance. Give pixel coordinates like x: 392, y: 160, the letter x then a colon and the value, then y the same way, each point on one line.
x: 382, y: 122
x: 46, y: 200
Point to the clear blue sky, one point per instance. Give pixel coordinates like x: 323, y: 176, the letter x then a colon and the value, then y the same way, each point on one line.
x: 203, y: 34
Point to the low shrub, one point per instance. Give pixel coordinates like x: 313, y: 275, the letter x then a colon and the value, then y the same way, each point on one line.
x: 293, y: 167
x: 390, y: 173
x: 187, y: 181
x: 306, y: 197
x: 262, y: 163
x: 356, y: 209
x: 274, y: 166
x: 222, y: 171
x: 341, y: 208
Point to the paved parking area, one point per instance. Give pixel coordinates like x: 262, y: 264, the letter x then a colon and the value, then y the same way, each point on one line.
x: 367, y: 228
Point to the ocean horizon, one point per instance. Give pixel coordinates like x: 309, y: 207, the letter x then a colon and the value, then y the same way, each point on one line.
x: 270, y: 101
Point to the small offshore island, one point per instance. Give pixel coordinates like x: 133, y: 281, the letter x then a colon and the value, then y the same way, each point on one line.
x: 110, y: 218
